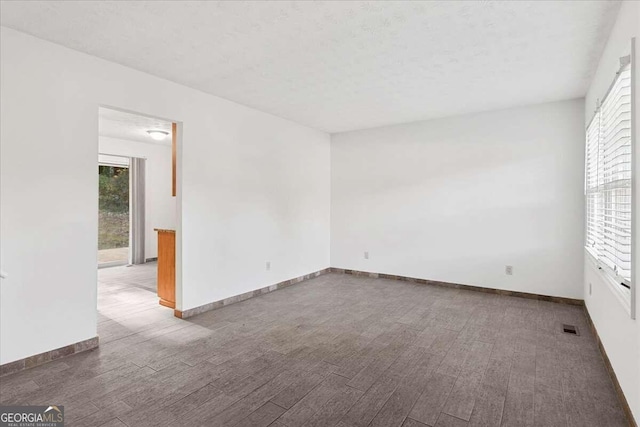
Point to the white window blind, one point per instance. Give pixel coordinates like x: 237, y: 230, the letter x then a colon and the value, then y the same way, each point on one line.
x: 608, y: 181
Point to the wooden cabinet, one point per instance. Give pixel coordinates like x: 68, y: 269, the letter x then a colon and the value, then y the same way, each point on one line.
x: 167, y: 267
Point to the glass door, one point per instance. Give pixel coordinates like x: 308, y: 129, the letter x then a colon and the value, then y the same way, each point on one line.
x: 113, y: 221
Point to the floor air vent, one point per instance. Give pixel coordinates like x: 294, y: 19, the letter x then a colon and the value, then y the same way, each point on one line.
x: 570, y: 329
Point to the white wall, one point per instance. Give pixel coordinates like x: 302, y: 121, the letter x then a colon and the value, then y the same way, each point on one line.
x: 253, y: 188
x: 458, y: 199
x: 620, y: 334
x: 160, y: 206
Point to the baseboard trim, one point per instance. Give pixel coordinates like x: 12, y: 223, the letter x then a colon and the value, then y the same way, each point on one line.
x: 48, y: 356
x: 614, y: 378
x: 242, y: 297
x: 561, y: 300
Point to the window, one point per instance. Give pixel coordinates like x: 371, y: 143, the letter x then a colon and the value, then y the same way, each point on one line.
x: 608, y: 181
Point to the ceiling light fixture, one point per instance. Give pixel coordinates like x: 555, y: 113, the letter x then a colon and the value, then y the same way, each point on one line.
x: 158, y: 135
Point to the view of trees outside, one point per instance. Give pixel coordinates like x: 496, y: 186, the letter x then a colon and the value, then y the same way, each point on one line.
x: 113, y: 207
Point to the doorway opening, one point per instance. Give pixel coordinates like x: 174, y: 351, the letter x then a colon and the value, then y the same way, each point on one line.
x: 137, y: 207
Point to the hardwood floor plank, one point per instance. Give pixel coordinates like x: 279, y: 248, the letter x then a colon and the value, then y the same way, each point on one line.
x: 487, y: 411
x: 334, y: 409
x: 297, y: 391
x: 462, y: 398
x: 397, y: 407
x: 449, y: 421
x: 302, y: 411
x: 519, y: 402
x: 549, y: 407
x: 361, y: 414
x: 263, y: 416
x: 428, y: 406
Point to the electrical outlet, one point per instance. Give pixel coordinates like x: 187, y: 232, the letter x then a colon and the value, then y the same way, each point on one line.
x: 268, y: 265
x: 366, y: 255
x: 508, y: 270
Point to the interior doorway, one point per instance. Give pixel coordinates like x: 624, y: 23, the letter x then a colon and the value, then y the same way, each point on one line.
x: 138, y: 209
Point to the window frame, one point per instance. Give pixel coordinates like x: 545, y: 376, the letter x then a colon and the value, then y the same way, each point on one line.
x: 625, y: 290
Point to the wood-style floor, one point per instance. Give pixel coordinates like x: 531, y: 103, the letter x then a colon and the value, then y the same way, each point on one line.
x: 337, y: 350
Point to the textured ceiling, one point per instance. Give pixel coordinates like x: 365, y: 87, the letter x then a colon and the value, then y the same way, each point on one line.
x: 133, y: 127
x: 339, y: 66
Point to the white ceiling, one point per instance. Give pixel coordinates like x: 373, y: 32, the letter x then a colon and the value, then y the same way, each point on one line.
x: 133, y: 127
x: 340, y: 66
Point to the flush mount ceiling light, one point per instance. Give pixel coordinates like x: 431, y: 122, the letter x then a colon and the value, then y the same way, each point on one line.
x: 158, y: 135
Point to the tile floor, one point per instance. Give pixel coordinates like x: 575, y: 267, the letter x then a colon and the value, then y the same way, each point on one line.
x: 336, y: 350
x: 113, y: 255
